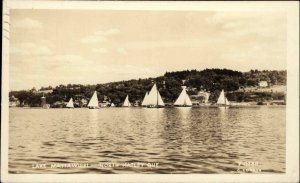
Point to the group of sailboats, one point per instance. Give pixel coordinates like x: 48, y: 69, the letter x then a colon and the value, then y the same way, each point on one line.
x: 93, y: 104
x: 153, y: 99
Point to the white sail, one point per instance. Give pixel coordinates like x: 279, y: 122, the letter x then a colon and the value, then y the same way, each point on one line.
x: 226, y: 101
x: 222, y: 100
x: 112, y: 105
x: 154, y: 97
x: 160, y: 101
x: 126, y: 102
x: 70, y: 103
x: 94, y: 101
x: 183, y: 99
x: 145, y: 102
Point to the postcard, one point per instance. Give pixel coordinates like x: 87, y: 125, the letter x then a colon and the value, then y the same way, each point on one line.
x: 98, y: 91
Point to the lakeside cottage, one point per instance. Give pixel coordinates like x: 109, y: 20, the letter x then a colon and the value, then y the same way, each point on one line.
x: 263, y: 84
x: 201, y: 98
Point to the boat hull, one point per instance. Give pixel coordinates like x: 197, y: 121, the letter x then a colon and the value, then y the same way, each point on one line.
x: 93, y: 107
x: 181, y: 106
x: 155, y: 106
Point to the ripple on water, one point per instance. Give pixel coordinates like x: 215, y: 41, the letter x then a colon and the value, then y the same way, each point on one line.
x: 200, y: 140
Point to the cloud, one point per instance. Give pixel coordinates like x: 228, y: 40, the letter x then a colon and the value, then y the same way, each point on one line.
x: 30, y: 49
x: 100, y: 36
x: 70, y: 68
x: 240, y: 24
x: 122, y: 51
x: 68, y: 58
x: 100, y: 50
x: 27, y: 23
x: 221, y: 17
x: 67, y: 61
x: 252, y: 39
x: 131, y: 70
x: 93, y: 39
x: 108, y: 32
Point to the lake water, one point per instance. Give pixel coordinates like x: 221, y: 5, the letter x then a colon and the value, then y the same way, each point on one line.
x: 144, y: 140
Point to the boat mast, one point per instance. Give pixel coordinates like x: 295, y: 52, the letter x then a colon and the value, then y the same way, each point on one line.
x: 156, y: 97
x: 225, y: 99
x: 183, y: 88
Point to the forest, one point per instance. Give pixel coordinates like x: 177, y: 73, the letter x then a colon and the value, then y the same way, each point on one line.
x: 169, y: 86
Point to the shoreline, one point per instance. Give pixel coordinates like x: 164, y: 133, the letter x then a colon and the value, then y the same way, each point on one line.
x: 178, y: 107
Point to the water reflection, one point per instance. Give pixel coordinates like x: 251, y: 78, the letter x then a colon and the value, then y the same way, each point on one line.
x: 181, y: 140
x: 93, y: 122
x: 184, y: 113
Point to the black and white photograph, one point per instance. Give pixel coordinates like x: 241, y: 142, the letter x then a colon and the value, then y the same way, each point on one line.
x: 150, y: 88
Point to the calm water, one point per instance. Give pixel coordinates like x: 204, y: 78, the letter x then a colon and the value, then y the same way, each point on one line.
x: 180, y: 140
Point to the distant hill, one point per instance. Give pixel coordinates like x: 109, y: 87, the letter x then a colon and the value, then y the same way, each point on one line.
x: 169, y: 85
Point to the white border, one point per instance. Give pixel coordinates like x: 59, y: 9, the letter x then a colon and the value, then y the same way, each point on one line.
x: 292, y: 123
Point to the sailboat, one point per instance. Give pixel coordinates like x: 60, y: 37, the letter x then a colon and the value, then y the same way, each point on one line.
x: 145, y: 100
x: 112, y: 105
x: 183, y: 100
x: 222, y: 100
x: 154, y: 99
x: 93, y: 104
x: 126, y: 102
x: 70, y: 103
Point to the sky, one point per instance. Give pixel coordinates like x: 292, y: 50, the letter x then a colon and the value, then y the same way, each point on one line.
x: 52, y: 47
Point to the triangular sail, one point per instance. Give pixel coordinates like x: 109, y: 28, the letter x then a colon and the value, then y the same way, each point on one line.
x: 126, y: 102
x: 94, y: 101
x: 70, y: 103
x: 183, y: 99
x: 145, y: 102
x: 227, y: 102
x: 222, y: 100
x: 160, y: 101
x: 154, y: 97
x: 112, y: 105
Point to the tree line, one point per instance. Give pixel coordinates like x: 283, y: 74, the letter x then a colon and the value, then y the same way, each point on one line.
x: 169, y: 85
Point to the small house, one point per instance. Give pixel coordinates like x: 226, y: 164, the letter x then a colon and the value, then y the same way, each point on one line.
x: 263, y: 84
x: 201, y: 97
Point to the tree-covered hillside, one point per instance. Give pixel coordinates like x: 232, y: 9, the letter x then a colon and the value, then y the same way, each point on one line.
x: 169, y: 85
